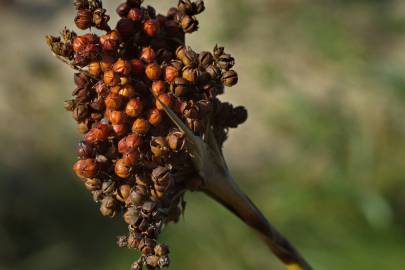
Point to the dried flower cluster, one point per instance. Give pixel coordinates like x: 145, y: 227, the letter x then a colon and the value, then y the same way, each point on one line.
x: 132, y: 158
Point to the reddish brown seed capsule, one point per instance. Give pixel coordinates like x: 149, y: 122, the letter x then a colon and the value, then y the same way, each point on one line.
x: 129, y: 143
x: 117, y: 117
x: 83, y: 19
x: 153, y: 72
x: 97, y: 134
x: 131, y: 158
x: 86, y: 168
x: 134, y: 107
x: 110, y: 41
x: 120, y: 130
x: 111, y: 78
x: 140, y: 126
x: 122, y: 67
x: 158, y: 87
x: 122, y: 169
x: 135, y: 14
x: 151, y: 27
x: 85, y: 150
x: 123, y: 193
x: 80, y: 43
x: 155, y: 117
x: 113, y: 101
x: 165, y: 99
x: 148, y: 55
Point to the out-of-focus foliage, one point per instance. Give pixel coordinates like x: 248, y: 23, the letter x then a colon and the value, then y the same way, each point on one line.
x: 323, y: 153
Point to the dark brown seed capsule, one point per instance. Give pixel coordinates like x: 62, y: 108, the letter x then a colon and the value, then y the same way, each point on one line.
x: 125, y: 28
x: 109, y: 206
x: 131, y: 216
x: 85, y: 150
x: 83, y: 19
x: 161, y: 250
x: 152, y: 261
x: 180, y: 87
x: 176, y: 140
x: 108, y: 187
x: 205, y: 59
x: 158, y: 146
x: 122, y: 9
x: 185, y: 6
x: 189, y: 24
x: 229, y: 78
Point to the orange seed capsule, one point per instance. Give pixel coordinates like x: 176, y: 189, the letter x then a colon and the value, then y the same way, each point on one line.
x: 155, y: 117
x: 153, y: 72
x: 134, y: 107
x: 165, y: 99
x: 122, y: 169
x: 85, y: 168
x: 140, y: 126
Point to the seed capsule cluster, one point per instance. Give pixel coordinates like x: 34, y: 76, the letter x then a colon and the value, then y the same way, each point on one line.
x: 132, y: 158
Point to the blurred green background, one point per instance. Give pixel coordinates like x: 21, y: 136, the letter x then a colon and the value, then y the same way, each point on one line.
x: 323, y: 152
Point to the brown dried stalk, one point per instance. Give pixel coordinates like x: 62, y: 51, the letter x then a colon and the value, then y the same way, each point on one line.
x: 217, y: 182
